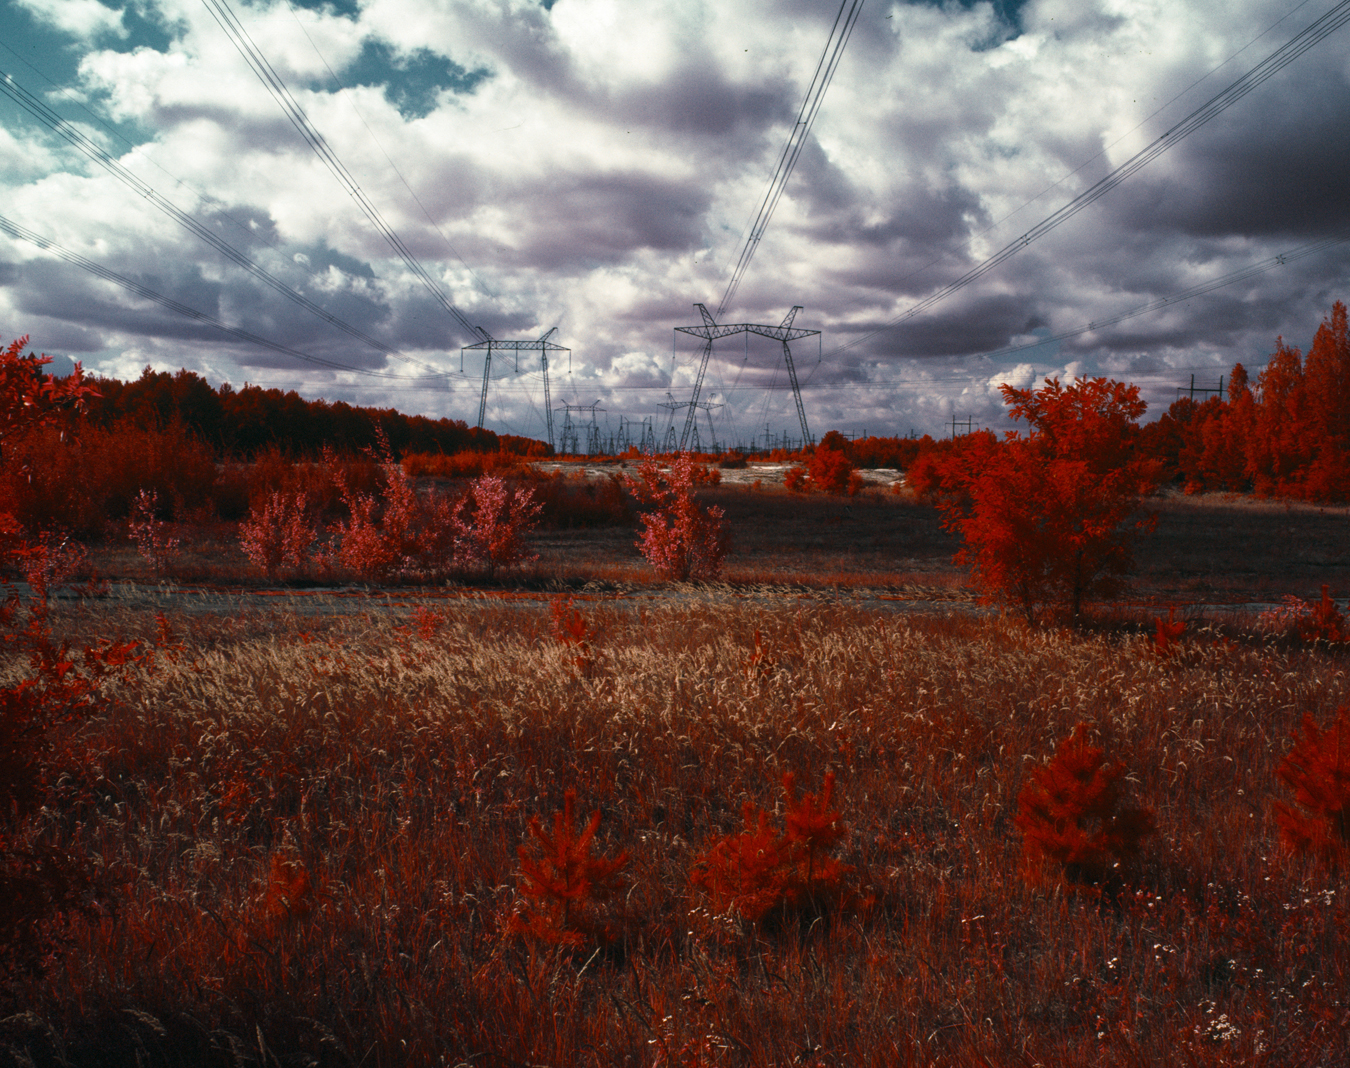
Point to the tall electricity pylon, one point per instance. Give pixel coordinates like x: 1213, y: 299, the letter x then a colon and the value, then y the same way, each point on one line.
x: 543, y: 345
x: 710, y: 331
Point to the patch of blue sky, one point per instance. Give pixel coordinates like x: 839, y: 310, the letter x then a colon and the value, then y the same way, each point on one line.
x: 45, y: 61
x: 412, y: 81
x: 347, y: 9
x: 1008, y: 13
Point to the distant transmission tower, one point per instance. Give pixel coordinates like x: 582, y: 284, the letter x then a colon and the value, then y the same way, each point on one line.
x: 543, y: 345
x: 569, y: 431
x: 710, y: 331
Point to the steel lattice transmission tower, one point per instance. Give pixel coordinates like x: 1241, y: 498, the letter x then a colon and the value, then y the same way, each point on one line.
x: 569, y: 433
x: 710, y: 331
x: 544, y: 345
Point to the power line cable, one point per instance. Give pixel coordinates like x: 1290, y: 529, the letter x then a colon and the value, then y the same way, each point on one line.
x: 394, y: 166
x: 1280, y: 259
x: 14, y: 229
x: 1091, y: 159
x: 272, y: 81
x: 95, y: 152
x: 806, y: 116
x: 1311, y: 35
x: 222, y: 210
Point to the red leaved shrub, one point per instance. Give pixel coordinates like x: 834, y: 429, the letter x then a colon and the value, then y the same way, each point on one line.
x: 759, y: 873
x: 680, y: 538
x: 1317, y: 770
x: 466, y: 465
x: 566, y: 888
x: 278, y: 535
x: 490, y: 524
x: 830, y: 470
x: 1070, y: 815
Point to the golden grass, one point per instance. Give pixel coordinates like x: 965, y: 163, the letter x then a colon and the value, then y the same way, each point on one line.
x: 395, y: 766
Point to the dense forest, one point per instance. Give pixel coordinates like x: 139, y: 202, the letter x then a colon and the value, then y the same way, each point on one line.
x: 239, y: 422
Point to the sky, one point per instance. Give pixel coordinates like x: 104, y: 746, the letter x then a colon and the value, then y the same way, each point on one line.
x: 596, y: 165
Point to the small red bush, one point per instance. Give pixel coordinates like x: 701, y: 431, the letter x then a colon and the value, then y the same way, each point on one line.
x: 278, y: 535
x: 758, y: 872
x: 830, y: 470
x: 490, y: 524
x: 1070, y: 814
x: 566, y: 887
x: 680, y: 539
x: 1317, y: 770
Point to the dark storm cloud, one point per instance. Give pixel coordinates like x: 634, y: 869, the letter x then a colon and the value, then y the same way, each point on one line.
x: 698, y: 99
x: 981, y: 324
x: 1276, y: 163
x: 590, y: 219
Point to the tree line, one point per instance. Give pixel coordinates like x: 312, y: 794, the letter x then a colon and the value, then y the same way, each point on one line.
x: 239, y: 423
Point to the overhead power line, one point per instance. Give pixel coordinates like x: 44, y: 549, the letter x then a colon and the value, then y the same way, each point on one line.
x: 1311, y: 35
x: 14, y: 229
x: 337, y: 84
x: 1241, y: 275
x: 272, y: 81
x: 801, y: 130
x: 95, y: 152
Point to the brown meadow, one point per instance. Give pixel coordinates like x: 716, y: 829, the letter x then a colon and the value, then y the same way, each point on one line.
x: 303, y: 843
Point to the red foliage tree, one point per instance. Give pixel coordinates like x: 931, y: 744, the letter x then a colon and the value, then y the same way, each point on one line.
x: 680, y: 538
x: 1294, y: 424
x: 830, y: 469
x: 1070, y: 813
x: 1317, y: 770
x: 1050, y: 516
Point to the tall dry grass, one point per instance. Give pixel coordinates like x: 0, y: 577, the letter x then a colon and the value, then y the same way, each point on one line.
x: 306, y: 837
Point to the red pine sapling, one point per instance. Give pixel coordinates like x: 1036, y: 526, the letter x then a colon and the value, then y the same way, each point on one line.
x: 759, y: 874
x: 1317, y: 770
x: 570, y: 628
x: 1071, y: 816
x: 566, y: 887
x: 1168, y: 633
x: 1324, y: 621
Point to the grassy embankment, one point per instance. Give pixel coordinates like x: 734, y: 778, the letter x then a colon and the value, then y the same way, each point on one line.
x: 303, y: 837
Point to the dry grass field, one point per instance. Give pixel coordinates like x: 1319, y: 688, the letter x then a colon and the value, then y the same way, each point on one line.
x: 305, y: 840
